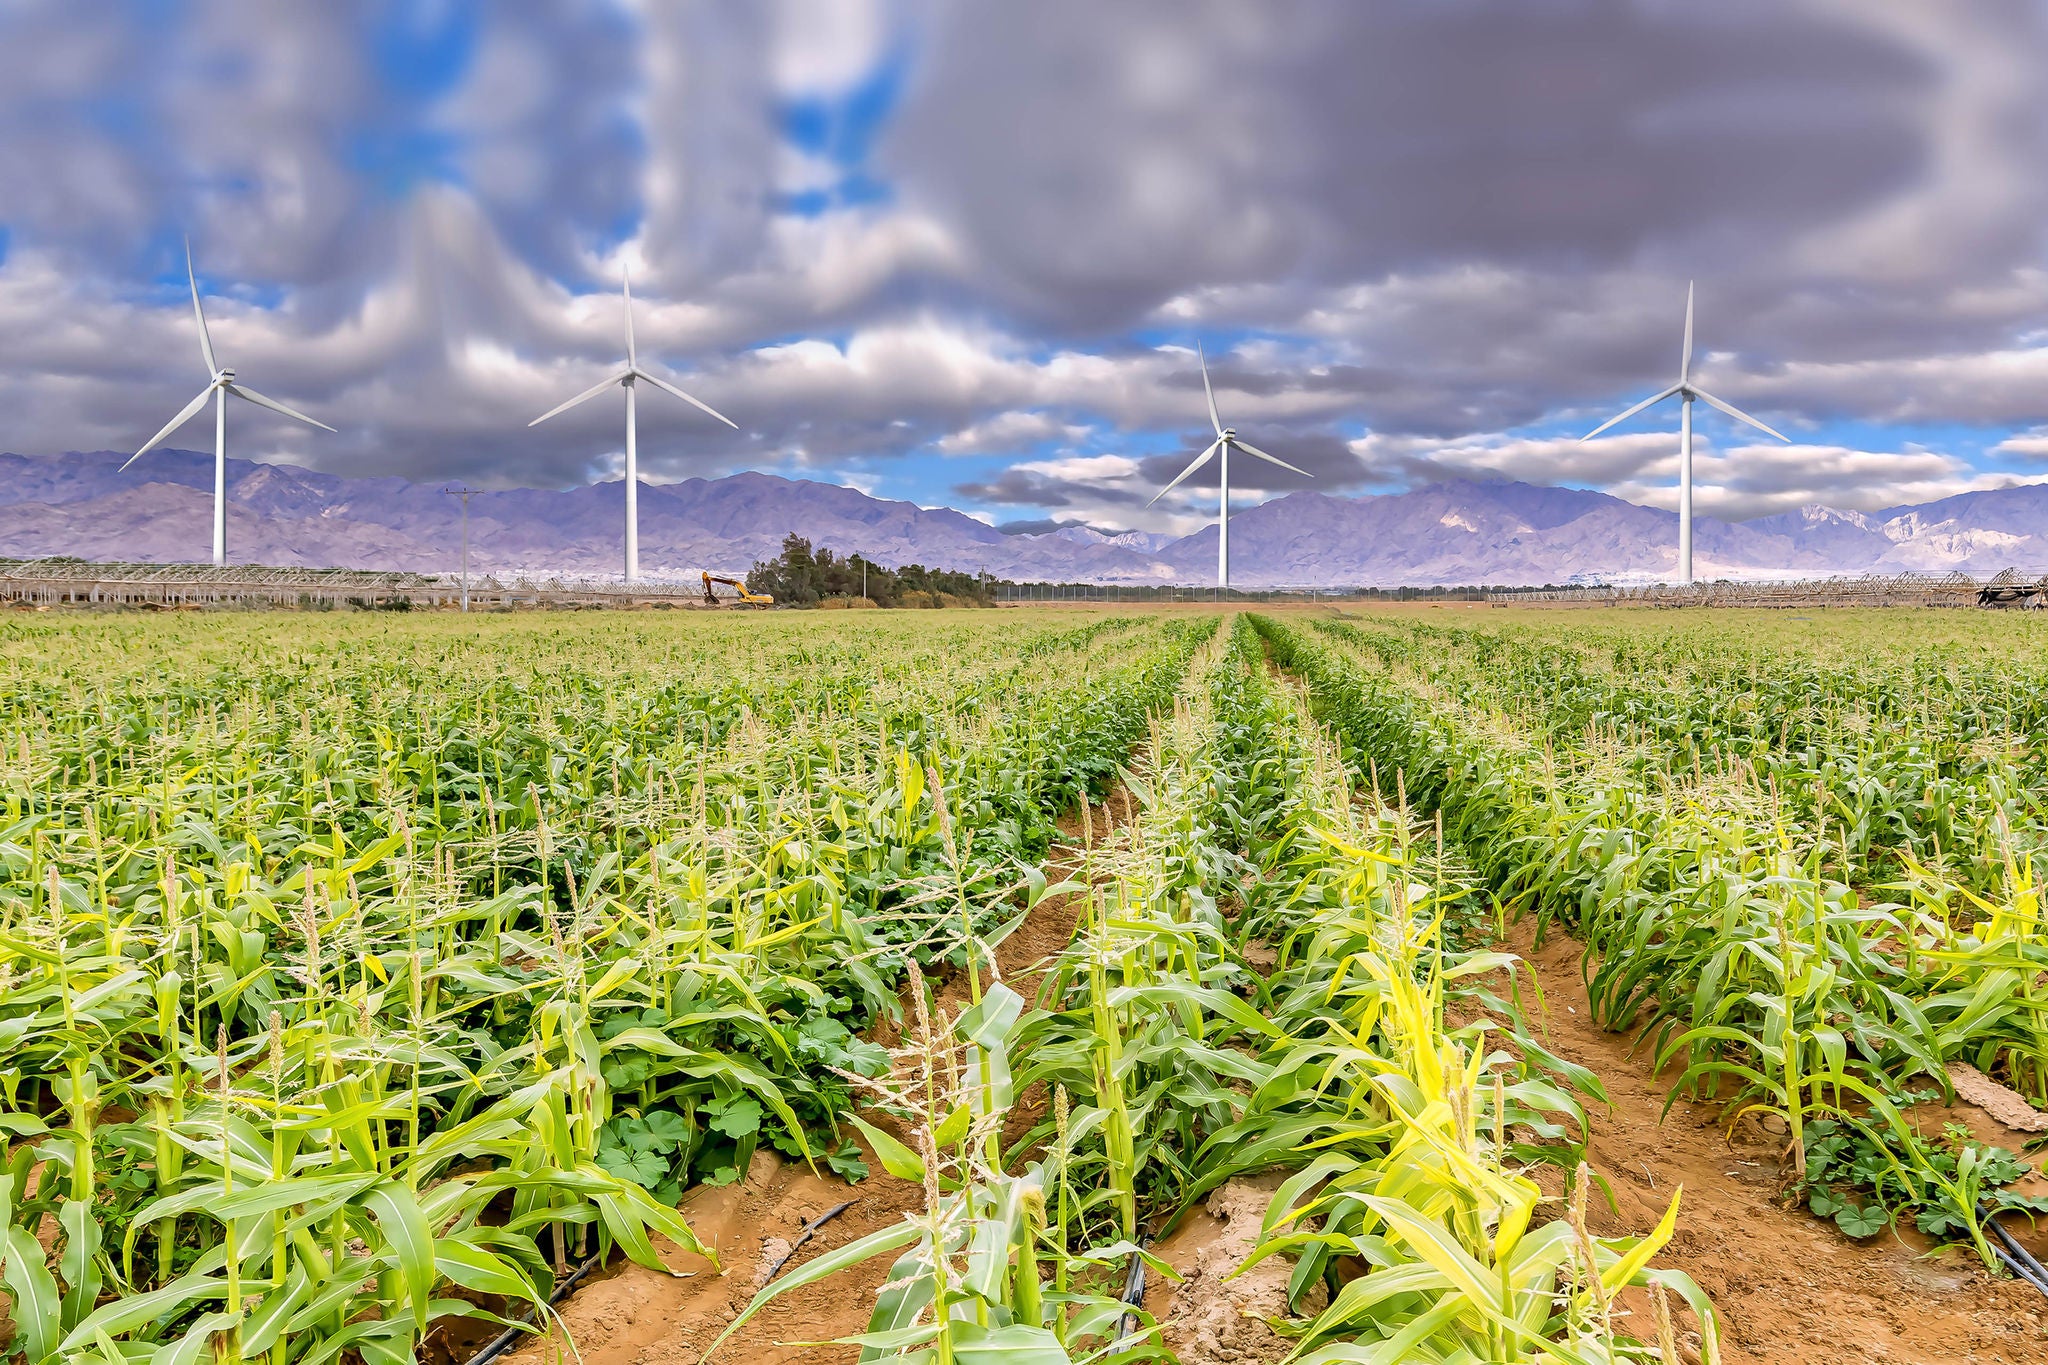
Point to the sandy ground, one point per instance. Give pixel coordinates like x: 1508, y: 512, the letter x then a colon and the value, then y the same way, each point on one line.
x: 1790, y: 1288
x: 639, y: 1317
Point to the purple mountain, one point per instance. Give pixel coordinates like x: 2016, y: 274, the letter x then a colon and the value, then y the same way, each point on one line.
x: 1457, y: 532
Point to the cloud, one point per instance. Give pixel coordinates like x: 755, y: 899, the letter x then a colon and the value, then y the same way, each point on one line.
x: 1096, y: 469
x: 1737, y: 483
x: 2002, y: 385
x: 2027, y: 445
x: 1201, y: 142
x: 1010, y: 433
x: 1405, y: 459
x: 887, y: 238
x: 1756, y: 480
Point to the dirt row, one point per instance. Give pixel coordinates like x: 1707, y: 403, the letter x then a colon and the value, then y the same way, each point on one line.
x: 1789, y: 1287
x: 639, y: 1317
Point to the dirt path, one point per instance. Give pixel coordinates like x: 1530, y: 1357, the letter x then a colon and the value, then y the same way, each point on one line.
x: 1789, y: 1287
x: 639, y: 1317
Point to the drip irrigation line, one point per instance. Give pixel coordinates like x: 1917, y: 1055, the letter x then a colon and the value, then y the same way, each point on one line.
x: 810, y: 1229
x: 2016, y: 1270
x: 503, y: 1341
x: 1134, y: 1288
x: 2017, y: 1258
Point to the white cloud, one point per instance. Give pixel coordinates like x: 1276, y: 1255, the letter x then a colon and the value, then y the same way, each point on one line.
x: 1756, y: 480
x: 2027, y: 445
x: 1529, y: 459
x: 823, y: 47
x: 1737, y: 483
x: 1085, y: 468
x: 1009, y: 432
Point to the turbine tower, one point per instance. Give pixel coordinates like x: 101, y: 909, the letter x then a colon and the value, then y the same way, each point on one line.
x: 625, y: 379
x: 1226, y: 437
x: 1686, y: 391
x: 218, y: 387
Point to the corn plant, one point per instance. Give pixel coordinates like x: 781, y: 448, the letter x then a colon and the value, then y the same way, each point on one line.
x: 364, y: 978
x: 1709, y: 896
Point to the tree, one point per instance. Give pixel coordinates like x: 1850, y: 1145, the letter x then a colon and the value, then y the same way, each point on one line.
x: 803, y: 576
x: 792, y: 576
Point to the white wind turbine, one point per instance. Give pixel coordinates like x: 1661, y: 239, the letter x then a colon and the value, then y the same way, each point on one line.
x: 1686, y: 391
x: 1226, y: 437
x: 218, y: 387
x: 625, y: 379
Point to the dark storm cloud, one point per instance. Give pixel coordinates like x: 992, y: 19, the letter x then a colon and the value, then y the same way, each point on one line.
x: 1031, y: 488
x: 1328, y: 460
x: 1104, y: 158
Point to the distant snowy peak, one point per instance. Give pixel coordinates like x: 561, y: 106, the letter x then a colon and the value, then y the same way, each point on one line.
x: 1143, y: 541
x: 1816, y: 514
x: 1950, y: 544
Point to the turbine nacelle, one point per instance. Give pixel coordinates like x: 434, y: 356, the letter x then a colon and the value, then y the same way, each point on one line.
x: 1226, y: 437
x: 627, y: 378
x: 220, y: 383
x: 1687, y: 393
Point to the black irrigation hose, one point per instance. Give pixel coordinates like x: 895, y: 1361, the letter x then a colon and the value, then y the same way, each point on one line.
x: 810, y: 1230
x: 1134, y: 1288
x: 504, y: 1340
x: 2016, y: 1257
x: 2018, y: 1271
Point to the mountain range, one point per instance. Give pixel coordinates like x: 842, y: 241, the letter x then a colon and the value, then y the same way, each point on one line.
x: 1455, y: 533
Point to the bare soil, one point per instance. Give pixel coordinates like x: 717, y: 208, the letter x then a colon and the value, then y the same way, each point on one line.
x: 1790, y: 1289
x: 1213, y: 1315
x: 639, y: 1317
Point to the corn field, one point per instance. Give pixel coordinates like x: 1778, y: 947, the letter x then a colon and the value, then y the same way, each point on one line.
x: 1807, y: 874
x: 364, y: 977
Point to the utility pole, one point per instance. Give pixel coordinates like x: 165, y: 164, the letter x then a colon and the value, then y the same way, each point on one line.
x: 465, y: 494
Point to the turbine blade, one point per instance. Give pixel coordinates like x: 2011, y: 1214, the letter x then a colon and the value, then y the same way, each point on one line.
x: 1739, y: 415
x: 1199, y: 461
x: 626, y: 288
x: 667, y: 387
x: 1250, y: 449
x: 1685, y: 357
x: 190, y: 408
x: 244, y: 391
x: 593, y: 391
x: 1209, y: 393
x: 1652, y: 400
x: 205, y: 341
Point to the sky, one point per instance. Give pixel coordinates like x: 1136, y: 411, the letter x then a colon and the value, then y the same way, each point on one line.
x: 964, y: 253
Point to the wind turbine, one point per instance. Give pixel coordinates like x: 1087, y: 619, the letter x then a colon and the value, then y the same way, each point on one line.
x: 1226, y: 437
x: 625, y: 379
x: 217, y: 388
x: 1687, y: 391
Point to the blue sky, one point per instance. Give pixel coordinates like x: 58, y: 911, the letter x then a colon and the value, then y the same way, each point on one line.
x: 963, y: 254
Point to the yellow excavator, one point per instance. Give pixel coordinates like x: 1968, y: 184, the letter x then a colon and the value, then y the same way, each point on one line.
x: 746, y: 599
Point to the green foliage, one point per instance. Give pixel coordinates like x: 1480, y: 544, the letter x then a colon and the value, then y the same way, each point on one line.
x: 343, y: 967
x: 1857, y: 1178
x: 801, y: 576
x: 1702, y: 813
